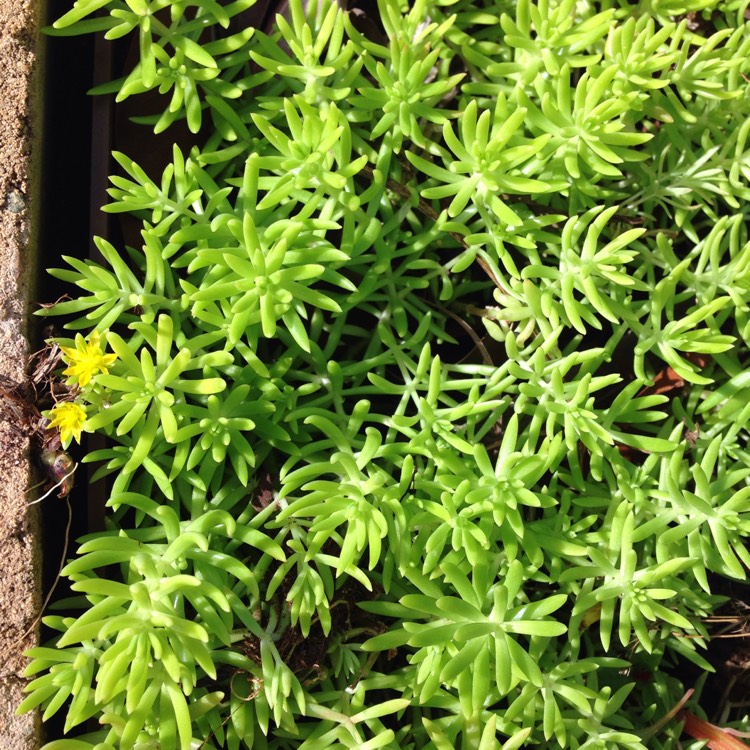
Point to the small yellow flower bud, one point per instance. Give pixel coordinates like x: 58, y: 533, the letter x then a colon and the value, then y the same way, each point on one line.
x: 86, y: 359
x: 68, y: 418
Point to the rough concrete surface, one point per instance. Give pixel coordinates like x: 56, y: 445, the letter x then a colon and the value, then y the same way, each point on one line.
x: 20, y: 120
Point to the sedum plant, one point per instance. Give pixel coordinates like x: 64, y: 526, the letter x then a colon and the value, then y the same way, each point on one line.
x: 424, y: 396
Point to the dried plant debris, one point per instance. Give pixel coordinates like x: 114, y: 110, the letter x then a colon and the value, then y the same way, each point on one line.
x: 21, y: 407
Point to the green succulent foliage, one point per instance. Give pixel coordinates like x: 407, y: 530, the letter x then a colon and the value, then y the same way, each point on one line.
x: 172, y: 57
x: 427, y: 423
x: 401, y: 100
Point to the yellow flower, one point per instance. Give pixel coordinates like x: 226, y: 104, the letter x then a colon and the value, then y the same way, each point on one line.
x: 86, y: 359
x: 69, y: 419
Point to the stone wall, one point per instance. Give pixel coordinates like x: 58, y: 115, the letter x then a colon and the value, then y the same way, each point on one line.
x: 20, y: 157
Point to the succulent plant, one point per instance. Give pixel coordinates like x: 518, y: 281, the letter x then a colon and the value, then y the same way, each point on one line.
x: 425, y: 411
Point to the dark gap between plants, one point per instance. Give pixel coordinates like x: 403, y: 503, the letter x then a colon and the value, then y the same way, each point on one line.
x: 63, y: 230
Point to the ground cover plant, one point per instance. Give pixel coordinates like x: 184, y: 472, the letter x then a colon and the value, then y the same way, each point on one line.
x: 426, y: 390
